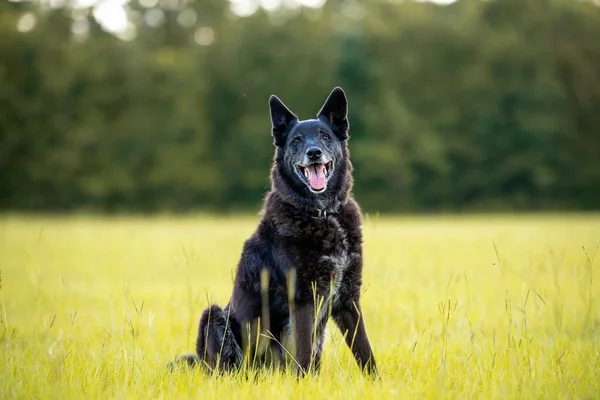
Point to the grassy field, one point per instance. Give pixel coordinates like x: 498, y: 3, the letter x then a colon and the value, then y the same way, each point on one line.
x: 456, y: 307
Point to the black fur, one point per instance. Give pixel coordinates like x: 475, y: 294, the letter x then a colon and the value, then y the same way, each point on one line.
x: 307, y: 241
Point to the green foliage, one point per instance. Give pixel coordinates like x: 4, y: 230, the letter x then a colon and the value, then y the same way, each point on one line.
x: 480, y: 104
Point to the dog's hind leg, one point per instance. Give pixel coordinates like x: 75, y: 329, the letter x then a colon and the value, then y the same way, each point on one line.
x: 216, y: 346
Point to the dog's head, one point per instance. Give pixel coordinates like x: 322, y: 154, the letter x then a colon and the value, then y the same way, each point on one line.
x: 311, y: 155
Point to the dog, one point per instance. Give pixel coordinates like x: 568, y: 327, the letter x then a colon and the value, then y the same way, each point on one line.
x: 303, y: 264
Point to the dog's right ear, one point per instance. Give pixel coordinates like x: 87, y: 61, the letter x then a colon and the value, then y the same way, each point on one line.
x: 281, y: 120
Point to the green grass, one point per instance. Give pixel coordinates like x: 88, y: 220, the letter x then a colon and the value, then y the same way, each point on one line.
x: 458, y: 307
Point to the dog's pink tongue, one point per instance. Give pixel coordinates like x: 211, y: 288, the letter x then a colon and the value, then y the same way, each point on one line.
x: 316, y: 176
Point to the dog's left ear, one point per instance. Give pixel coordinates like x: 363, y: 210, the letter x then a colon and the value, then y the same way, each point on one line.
x: 335, y: 113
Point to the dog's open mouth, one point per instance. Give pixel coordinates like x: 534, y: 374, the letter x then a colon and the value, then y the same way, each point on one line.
x: 316, y: 175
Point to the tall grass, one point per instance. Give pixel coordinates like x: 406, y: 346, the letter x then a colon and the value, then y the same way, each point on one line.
x: 455, y: 307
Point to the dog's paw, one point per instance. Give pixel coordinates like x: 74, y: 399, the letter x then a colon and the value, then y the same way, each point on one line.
x: 186, y: 361
x: 299, y: 372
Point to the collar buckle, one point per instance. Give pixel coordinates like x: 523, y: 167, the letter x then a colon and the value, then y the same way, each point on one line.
x: 321, y: 213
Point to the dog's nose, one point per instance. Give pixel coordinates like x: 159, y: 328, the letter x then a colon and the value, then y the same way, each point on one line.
x: 314, y: 153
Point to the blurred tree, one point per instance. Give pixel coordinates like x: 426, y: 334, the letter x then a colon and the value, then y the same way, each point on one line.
x: 475, y: 105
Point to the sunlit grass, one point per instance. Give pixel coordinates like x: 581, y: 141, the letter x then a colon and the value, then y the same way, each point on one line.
x: 490, y: 307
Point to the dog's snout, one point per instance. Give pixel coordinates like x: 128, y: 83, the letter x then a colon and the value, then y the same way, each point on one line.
x: 314, y: 153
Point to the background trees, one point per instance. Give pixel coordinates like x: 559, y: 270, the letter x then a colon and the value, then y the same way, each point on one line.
x: 477, y: 105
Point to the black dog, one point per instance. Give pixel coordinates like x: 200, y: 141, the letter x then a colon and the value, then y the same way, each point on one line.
x: 304, y: 262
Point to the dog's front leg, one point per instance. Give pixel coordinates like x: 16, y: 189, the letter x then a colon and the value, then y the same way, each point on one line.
x: 303, y: 325
x: 352, y: 325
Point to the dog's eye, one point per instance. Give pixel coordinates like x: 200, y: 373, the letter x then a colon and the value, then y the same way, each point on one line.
x: 325, y: 137
x: 296, y: 141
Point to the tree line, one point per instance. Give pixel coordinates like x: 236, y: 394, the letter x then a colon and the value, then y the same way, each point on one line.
x: 477, y: 105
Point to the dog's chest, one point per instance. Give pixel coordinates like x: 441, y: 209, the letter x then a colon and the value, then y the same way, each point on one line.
x: 334, y: 260
x: 331, y: 250
x: 321, y: 254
